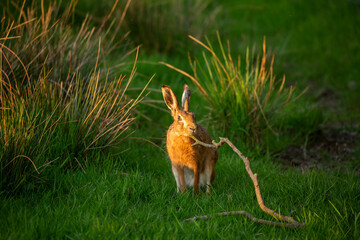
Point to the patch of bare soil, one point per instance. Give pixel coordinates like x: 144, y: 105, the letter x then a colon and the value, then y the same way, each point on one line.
x: 327, y: 148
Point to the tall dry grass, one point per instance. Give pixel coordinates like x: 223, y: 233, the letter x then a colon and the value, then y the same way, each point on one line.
x: 242, y: 97
x: 59, y: 104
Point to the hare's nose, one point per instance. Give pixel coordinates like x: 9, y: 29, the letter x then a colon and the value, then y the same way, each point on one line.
x: 193, y: 129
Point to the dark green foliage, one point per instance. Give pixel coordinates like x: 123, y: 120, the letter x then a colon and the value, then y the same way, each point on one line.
x: 163, y: 26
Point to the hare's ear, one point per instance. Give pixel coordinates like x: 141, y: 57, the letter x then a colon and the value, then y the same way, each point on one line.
x: 185, y: 99
x: 170, y: 99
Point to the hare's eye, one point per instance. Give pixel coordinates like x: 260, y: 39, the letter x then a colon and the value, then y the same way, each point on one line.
x: 179, y: 117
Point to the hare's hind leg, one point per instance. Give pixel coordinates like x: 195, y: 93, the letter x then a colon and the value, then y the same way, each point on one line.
x: 211, y: 179
x: 196, y: 180
x: 210, y: 171
x: 178, y: 172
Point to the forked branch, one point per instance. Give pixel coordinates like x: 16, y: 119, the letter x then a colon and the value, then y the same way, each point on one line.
x: 291, y: 221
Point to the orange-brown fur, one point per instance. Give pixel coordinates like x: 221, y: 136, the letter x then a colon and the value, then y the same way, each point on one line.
x: 184, y: 157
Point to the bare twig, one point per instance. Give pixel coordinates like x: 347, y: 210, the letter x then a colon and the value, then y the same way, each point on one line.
x: 250, y: 216
x: 291, y: 221
x: 212, y: 145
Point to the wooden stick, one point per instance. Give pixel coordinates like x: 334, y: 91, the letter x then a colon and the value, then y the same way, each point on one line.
x: 291, y: 221
x: 250, y: 216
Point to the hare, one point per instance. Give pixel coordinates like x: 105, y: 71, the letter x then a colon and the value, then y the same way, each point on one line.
x: 191, y: 165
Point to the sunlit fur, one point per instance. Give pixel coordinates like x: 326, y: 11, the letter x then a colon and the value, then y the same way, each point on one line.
x: 191, y: 165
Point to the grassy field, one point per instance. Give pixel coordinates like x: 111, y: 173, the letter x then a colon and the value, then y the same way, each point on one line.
x: 138, y: 200
x: 82, y: 146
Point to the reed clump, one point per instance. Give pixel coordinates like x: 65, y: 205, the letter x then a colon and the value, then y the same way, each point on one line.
x: 59, y: 104
x: 242, y: 97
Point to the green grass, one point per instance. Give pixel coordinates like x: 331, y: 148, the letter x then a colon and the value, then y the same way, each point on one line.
x: 128, y: 191
x: 314, y: 44
x: 138, y: 200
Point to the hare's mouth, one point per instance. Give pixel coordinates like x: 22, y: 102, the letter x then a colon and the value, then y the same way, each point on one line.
x: 189, y: 132
x: 192, y: 131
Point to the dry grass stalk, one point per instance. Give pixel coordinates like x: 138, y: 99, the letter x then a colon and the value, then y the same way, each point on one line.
x: 292, y: 223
